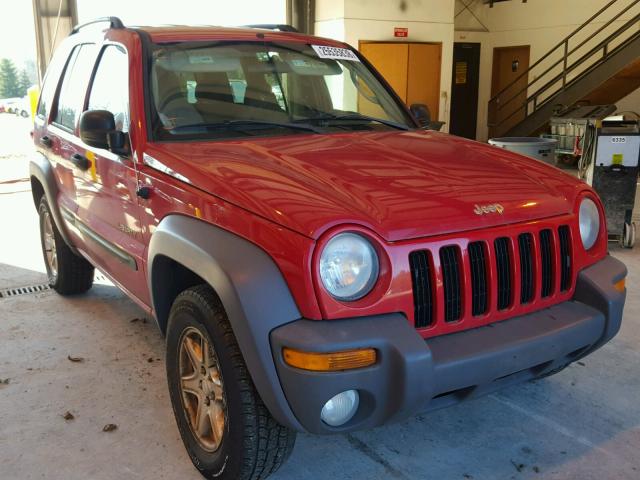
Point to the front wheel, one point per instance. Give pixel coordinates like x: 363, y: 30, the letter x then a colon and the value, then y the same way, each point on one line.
x: 226, y: 428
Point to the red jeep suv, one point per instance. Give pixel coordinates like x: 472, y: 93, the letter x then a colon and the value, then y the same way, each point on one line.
x: 317, y: 257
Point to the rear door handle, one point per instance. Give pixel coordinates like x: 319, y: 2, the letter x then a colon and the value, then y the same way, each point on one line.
x: 80, y: 161
x: 46, y: 141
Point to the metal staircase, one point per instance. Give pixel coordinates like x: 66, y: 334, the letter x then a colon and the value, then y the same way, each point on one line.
x: 599, y: 62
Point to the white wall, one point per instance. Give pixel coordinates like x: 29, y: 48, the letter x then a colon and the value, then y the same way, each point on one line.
x: 542, y: 24
x: 630, y: 103
x: 427, y: 20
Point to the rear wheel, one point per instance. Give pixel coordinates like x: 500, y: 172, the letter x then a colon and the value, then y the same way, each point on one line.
x: 67, y: 272
x: 226, y: 428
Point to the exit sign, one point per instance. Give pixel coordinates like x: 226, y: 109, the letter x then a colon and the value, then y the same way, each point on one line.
x: 400, y: 32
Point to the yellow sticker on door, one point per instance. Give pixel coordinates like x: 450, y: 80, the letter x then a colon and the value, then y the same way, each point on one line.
x: 617, y: 159
x: 461, y: 73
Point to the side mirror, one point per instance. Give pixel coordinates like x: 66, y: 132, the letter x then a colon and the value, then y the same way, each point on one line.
x: 96, y: 127
x: 421, y: 113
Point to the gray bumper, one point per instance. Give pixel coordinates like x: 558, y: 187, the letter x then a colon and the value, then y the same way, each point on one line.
x: 414, y: 374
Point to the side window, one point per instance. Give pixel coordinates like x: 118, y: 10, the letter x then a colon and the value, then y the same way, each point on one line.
x: 51, y: 81
x: 74, y: 85
x: 110, y: 89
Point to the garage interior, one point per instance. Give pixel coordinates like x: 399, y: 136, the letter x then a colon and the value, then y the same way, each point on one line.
x: 69, y: 367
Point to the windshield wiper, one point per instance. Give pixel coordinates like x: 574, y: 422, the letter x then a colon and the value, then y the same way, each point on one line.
x: 247, y: 123
x: 326, y: 116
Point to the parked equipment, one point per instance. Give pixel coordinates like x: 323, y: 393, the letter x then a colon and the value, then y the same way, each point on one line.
x: 539, y: 148
x: 610, y: 164
x: 570, y: 127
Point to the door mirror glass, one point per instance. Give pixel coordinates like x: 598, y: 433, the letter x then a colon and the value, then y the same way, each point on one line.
x: 421, y: 113
x: 96, y: 126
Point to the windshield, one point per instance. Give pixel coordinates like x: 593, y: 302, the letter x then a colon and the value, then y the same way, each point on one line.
x: 211, y: 90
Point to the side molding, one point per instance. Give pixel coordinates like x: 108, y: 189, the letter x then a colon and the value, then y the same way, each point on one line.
x: 40, y: 169
x: 249, y: 284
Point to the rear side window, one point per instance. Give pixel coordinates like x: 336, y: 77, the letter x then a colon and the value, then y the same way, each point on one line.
x: 110, y: 89
x: 50, y: 83
x: 74, y: 85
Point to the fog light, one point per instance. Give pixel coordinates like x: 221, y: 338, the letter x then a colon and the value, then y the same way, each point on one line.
x: 341, y: 408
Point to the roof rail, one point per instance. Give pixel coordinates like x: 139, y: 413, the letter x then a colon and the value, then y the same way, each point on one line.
x: 114, y: 22
x: 274, y: 26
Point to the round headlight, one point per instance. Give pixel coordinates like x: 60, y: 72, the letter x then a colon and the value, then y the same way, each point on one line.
x: 589, y: 223
x: 348, y: 267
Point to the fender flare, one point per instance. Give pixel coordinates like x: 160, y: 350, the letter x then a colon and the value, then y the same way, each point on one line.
x: 40, y: 169
x: 251, y: 288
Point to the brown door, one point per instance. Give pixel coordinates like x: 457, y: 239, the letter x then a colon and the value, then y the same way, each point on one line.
x: 412, y: 70
x: 424, y: 76
x: 391, y: 60
x: 508, y: 64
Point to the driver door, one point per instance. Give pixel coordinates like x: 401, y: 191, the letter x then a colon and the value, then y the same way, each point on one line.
x: 108, y: 204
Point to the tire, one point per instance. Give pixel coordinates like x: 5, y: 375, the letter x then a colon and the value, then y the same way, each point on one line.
x: 68, y: 273
x: 249, y: 444
x: 629, y: 235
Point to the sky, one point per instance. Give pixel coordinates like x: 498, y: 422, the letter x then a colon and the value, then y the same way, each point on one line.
x: 17, y: 38
x: 202, y: 12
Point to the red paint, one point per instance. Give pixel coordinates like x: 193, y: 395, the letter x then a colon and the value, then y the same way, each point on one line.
x: 403, y: 190
x: 401, y: 32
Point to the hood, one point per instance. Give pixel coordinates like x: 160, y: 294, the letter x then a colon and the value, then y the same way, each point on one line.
x: 402, y: 185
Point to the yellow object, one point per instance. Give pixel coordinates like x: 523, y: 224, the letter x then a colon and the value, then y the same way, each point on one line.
x: 33, y: 93
x: 330, y: 362
x: 620, y: 285
x: 92, y: 158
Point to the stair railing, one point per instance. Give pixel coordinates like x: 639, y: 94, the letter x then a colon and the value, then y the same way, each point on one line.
x: 506, y: 97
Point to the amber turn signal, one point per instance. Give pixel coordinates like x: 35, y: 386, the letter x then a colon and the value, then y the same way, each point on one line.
x: 329, y: 362
x: 620, y: 285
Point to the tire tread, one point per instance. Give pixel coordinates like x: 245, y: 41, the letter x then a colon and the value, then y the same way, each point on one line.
x: 75, y: 273
x: 267, y: 444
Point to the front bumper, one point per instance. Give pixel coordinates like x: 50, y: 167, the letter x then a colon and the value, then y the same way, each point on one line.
x: 415, y: 374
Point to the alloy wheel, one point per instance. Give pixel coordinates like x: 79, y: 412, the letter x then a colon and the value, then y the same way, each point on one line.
x: 202, y: 389
x: 49, y: 245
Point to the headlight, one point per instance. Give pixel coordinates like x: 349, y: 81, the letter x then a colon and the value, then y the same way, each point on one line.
x: 589, y: 223
x: 348, y: 267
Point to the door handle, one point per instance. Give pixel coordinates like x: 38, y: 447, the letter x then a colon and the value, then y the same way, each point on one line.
x: 80, y: 161
x: 144, y: 192
x: 46, y: 141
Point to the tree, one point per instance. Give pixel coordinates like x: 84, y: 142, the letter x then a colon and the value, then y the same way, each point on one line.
x: 24, y: 82
x: 9, y: 82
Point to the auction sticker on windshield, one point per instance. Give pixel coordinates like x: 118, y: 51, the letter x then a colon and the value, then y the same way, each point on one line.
x: 335, y: 53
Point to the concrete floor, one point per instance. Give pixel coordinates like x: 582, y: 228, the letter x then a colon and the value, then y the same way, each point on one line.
x: 581, y: 424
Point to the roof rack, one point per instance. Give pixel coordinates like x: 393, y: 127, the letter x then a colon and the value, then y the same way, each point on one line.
x: 114, y: 22
x: 274, y: 26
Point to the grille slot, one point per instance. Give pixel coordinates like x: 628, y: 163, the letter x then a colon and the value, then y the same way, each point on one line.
x: 565, y: 258
x: 479, y: 290
x: 525, y: 244
x: 546, y: 257
x: 450, y: 264
x: 503, y: 267
x: 422, y: 289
